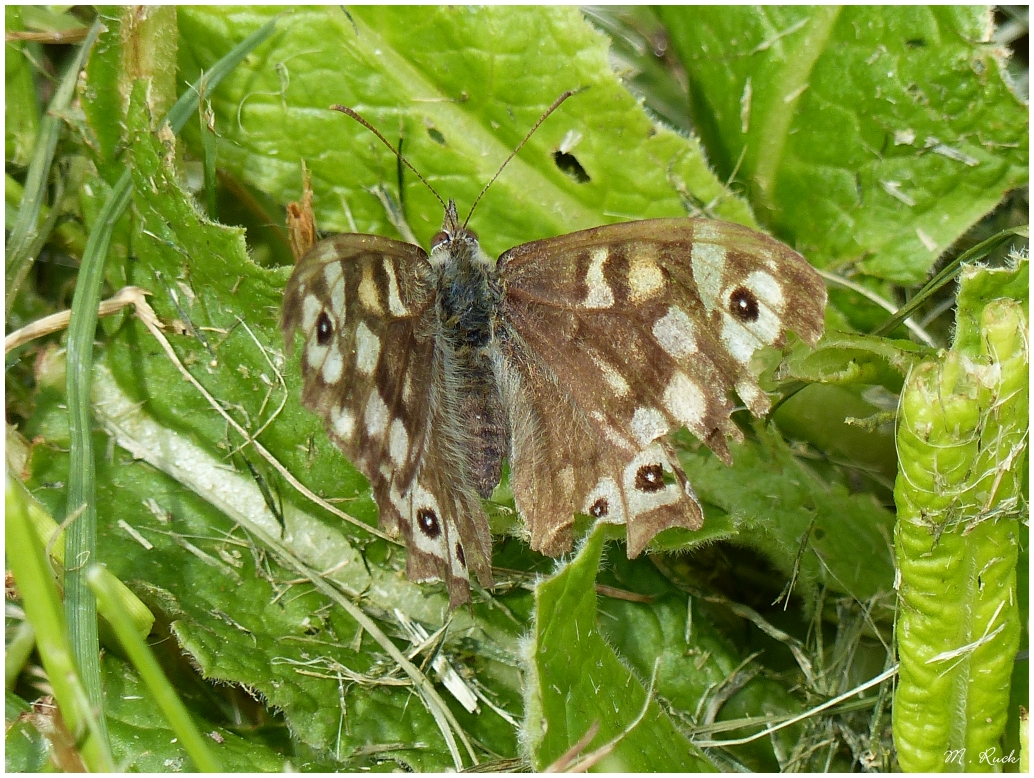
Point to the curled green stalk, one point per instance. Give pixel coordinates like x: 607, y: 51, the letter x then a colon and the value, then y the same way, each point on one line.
x: 962, y: 441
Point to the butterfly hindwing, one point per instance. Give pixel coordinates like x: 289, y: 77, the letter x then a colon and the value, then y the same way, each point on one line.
x: 563, y: 463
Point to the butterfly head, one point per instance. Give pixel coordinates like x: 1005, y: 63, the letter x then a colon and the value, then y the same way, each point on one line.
x: 455, y: 241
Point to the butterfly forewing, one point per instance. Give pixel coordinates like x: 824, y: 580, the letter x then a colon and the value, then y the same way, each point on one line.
x: 359, y: 302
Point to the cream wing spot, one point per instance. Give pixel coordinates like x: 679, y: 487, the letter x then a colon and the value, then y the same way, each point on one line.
x: 400, y: 502
x: 738, y: 340
x: 314, y: 352
x: 333, y: 365
x: 343, y: 423
x: 567, y: 479
x: 457, y: 563
x: 311, y: 308
x: 612, y: 435
x: 685, y: 401
x: 753, y: 397
x: 600, y: 295
x: 394, y: 299
x: 398, y: 443
x: 337, y: 301
x: 706, y: 231
x: 648, y: 424
x: 332, y: 274
x: 743, y: 338
x: 610, y: 374
x: 767, y: 288
x: 708, y: 261
x: 376, y: 416
x: 369, y: 295
x: 645, y: 277
x: 675, y: 333
x: 367, y: 349
x: 407, y: 388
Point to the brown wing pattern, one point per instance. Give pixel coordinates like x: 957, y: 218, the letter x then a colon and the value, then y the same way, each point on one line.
x: 565, y: 462
x: 365, y: 306
x: 635, y: 329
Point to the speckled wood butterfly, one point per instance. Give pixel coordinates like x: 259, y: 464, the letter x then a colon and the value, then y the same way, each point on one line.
x: 573, y: 357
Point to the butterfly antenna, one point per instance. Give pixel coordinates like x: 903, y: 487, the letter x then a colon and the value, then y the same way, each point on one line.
x: 556, y: 104
x: 348, y: 111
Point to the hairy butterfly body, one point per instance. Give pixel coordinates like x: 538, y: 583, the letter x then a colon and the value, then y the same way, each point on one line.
x: 573, y: 357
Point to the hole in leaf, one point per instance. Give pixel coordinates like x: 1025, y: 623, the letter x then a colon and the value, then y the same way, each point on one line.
x: 569, y: 164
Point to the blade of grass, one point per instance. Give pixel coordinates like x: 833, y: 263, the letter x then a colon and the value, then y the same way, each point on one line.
x: 146, y: 665
x: 42, y: 605
x: 974, y: 254
x: 81, y: 534
x: 19, y: 255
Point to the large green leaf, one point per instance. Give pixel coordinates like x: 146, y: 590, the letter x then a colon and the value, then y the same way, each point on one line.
x: 870, y: 134
x: 461, y: 87
x: 577, y: 680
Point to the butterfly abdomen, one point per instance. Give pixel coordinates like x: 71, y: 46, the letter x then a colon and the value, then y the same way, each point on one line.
x: 468, y: 302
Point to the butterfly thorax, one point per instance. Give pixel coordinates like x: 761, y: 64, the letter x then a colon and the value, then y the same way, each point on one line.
x: 467, y: 307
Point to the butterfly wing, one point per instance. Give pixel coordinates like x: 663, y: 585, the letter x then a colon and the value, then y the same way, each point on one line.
x: 635, y: 329
x: 365, y: 307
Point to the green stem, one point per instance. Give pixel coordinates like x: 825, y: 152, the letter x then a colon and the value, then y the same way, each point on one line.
x: 949, y: 273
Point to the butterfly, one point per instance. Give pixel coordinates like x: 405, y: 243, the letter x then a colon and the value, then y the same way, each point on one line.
x: 571, y: 357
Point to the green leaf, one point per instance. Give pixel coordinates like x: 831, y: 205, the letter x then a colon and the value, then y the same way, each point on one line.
x: 779, y: 503
x: 697, y: 659
x: 575, y: 679
x: 864, y: 133
x: 21, y: 106
x: 171, y: 706
x: 444, y: 79
x: 978, y: 286
x: 843, y: 358
x: 25, y: 749
x: 104, y: 105
x: 142, y: 741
